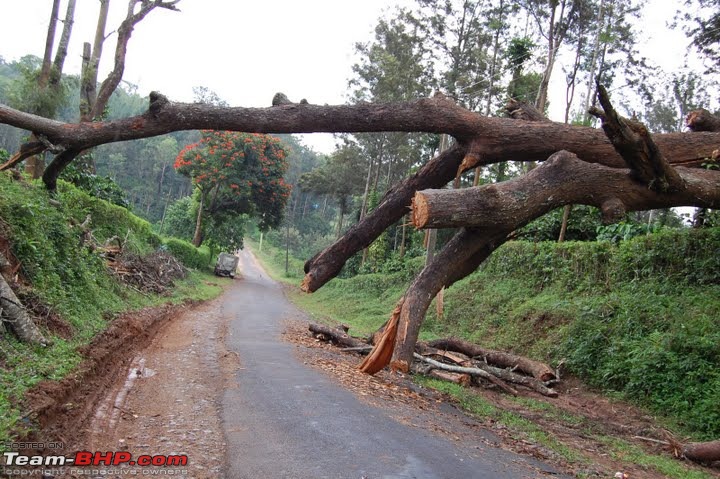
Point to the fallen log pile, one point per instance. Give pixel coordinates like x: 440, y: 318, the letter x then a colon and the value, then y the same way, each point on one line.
x: 153, y: 273
x: 459, y: 361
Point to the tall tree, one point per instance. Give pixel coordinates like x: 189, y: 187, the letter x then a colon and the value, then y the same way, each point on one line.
x: 339, y: 178
x: 236, y: 174
x: 49, y: 78
x: 554, y: 20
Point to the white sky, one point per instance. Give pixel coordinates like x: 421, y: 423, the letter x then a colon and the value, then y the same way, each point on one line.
x: 246, y: 51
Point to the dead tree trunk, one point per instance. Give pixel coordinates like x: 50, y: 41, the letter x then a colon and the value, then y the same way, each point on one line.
x: 702, y: 120
x: 338, y: 336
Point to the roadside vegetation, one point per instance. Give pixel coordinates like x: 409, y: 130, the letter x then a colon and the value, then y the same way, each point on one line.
x: 68, y: 287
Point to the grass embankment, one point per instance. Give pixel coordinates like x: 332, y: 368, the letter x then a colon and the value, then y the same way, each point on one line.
x: 639, y: 320
x: 71, y: 281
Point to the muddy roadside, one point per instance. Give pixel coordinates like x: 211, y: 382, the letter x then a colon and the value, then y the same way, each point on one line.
x: 175, y: 352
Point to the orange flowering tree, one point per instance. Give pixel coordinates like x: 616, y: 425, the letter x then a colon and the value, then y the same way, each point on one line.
x: 238, y: 175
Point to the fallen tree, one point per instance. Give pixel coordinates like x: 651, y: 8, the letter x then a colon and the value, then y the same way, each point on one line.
x: 577, y: 158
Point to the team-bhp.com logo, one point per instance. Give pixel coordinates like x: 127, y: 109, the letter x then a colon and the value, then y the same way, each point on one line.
x: 119, y: 463
x: 87, y: 458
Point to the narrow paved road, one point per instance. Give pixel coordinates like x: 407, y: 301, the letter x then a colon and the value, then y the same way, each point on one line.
x: 286, y: 420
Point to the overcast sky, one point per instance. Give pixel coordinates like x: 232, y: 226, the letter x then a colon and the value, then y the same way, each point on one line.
x: 246, y: 51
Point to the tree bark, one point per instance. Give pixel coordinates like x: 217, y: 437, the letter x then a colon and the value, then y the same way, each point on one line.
x: 466, y: 371
x: 338, y: 336
x: 520, y: 110
x: 702, y: 120
x: 632, y: 141
x: 563, y: 179
x: 703, y: 452
x: 15, y: 316
x: 538, y: 370
x: 468, y: 248
x: 496, y: 138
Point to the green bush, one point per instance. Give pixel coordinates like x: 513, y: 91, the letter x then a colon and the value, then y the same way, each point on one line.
x: 685, y: 255
x: 188, y: 254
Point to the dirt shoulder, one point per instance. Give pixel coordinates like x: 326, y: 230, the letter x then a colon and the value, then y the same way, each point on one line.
x: 149, y: 384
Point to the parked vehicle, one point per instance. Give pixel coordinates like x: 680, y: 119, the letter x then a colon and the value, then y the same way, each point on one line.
x: 226, y: 265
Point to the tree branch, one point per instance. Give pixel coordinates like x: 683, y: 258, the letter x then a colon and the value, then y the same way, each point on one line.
x: 633, y: 142
x: 500, y: 138
x: 124, y: 33
x: 702, y: 120
x: 561, y: 180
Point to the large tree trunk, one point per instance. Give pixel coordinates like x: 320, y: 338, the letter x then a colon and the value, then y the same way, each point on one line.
x: 468, y: 248
x: 703, y: 452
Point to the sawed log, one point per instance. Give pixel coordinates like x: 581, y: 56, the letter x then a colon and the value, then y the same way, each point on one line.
x: 498, y: 374
x: 338, y: 336
x: 703, y: 452
x: 538, y: 370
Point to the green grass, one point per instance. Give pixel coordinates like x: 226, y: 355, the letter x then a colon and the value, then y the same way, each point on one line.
x: 549, y: 410
x: 626, y: 452
x: 521, y: 427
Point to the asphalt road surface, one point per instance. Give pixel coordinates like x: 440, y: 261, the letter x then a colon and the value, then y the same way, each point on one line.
x: 284, y: 419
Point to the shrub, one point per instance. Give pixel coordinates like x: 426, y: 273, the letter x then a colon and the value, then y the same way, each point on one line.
x: 188, y: 254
